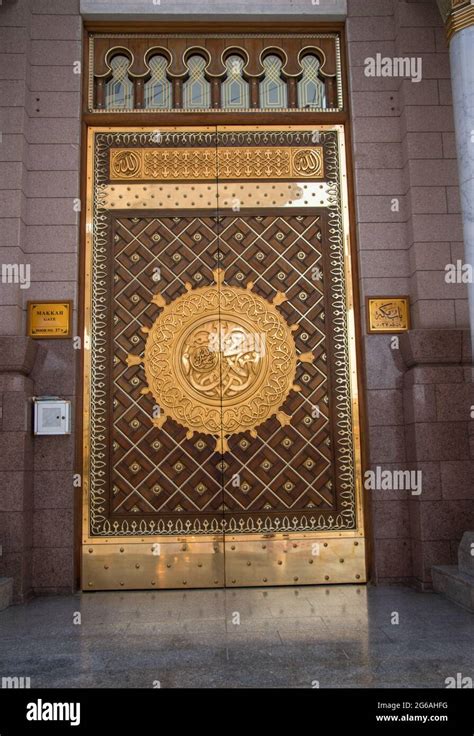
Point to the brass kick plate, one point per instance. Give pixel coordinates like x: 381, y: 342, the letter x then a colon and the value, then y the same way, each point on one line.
x: 141, y: 566
x: 194, y: 564
x: 295, y: 562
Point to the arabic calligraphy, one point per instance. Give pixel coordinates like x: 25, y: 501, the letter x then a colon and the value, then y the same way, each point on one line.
x: 222, y: 360
x: 205, y: 164
x: 308, y: 162
x: 126, y: 164
x: 388, y: 314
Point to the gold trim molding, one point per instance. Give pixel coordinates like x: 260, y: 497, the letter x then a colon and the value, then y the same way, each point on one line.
x: 460, y: 20
x: 202, y: 164
x: 457, y: 15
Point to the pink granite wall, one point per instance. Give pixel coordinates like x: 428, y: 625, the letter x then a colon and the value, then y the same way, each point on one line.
x: 409, y: 229
x: 39, y: 171
x: 438, y: 394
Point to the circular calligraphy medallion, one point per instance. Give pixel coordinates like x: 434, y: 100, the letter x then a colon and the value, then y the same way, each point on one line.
x: 220, y: 360
x: 308, y: 162
x: 126, y: 163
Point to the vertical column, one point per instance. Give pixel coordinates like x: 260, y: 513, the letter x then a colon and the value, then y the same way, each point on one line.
x: 99, y: 93
x: 462, y: 70
x: 17, y: 358
x: 14, y: 43
x: 460, y: 31
x: 16, y: 354
x: 437, y: 393
x: 40, y: 93
x: 384, y: 265
x: 52, y: 234
x: 177, y: 93
x: 139, y: 93
x: 434, y: 226
x: 254, y: 92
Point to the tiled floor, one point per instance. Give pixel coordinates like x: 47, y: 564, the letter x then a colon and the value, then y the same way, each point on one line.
x: 274, y: 637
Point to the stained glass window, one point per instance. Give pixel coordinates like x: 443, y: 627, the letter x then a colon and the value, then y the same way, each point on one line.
x: 235, y: 90
x: 119, y: 89
x: 158, y: 89
x: 311, y: 91
x: 196, y: 89
x: 273, y: 92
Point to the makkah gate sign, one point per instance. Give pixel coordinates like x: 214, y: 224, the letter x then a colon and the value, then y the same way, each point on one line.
x: 49, y: 320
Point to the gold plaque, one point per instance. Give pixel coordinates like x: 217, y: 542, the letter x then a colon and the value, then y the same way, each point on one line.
x: 388, y: 314
x: 49, y: 320
x: 208, y: 164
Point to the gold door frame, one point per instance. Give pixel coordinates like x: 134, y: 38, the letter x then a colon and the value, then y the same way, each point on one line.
x: 214, y: 560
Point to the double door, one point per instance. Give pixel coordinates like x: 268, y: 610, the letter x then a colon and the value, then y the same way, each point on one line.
x: 221, y: 443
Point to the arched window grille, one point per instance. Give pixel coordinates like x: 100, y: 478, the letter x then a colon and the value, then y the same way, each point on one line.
x: 273, y: 89
x: 119, y: 89
x: 159, y: 72
x: 235, y: 89
x: 311, y: 90
x: 158, y: 89
x: 196, y: 89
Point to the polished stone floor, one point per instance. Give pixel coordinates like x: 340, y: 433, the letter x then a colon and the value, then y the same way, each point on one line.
x: 340, y: 636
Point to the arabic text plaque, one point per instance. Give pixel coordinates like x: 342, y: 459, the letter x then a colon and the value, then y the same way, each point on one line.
x: 49, y: 320
x: 388, y: 314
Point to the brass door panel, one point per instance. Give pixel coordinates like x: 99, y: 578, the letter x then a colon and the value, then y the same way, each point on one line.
x: 221, y: 442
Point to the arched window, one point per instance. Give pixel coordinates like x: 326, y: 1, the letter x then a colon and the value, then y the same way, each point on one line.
x: 196, y: 89
x: 119, y: 89
x: 273, y: 92
x: 158, y: 88
x: 311, y: 91
x: 235, y: 90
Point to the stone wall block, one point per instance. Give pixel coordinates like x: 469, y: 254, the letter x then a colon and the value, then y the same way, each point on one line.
x: 419, y: 402
x: 52, y: 570
x: 431, y: 346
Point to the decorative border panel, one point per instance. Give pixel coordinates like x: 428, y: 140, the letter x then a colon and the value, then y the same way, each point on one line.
x: 202, y: 164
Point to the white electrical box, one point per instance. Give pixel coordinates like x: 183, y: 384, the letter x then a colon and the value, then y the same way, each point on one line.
x: 52, y: 415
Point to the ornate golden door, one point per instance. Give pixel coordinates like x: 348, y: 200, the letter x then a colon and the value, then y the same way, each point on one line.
x: 221, y: 434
